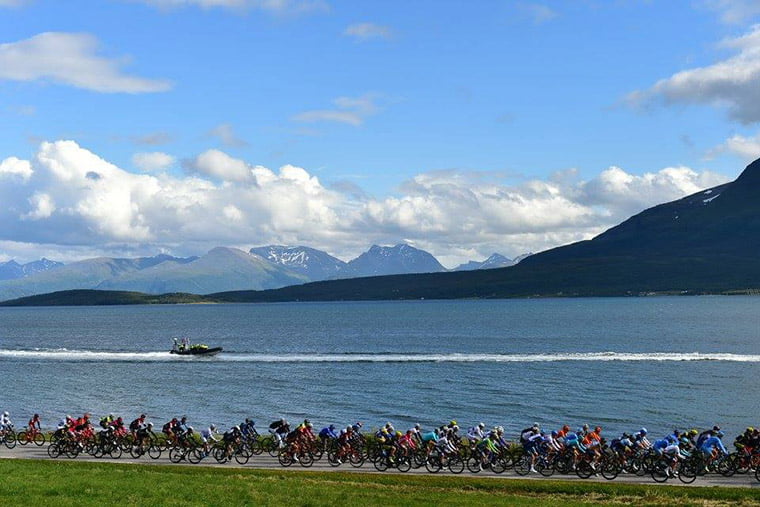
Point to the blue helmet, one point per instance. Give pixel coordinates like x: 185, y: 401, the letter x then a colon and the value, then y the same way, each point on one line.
x: 643, y: 431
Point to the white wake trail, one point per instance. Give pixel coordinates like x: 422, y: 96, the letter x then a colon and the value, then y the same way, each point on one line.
x: 161, y: 356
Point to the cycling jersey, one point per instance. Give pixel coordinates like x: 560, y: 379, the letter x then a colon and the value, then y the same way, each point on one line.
x: 713, y: 443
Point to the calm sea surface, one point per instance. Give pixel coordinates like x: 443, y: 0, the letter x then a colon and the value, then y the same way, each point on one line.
x: 665, y: 362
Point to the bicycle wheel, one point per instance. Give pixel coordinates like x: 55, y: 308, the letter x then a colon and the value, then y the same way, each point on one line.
x: 456, y: 465
x: 54, y: 450
x: 176, y: 454
x: 727, y: 466
x: 242, y: 455
x: 660, y: 471
x: 154, y: 451
x: 687, y: 472
x: 285, y: 458
x: 433, y: 464
x: 757, y: 474
x: 545, y: 467
x: 39, y: 439
x: 473, y: 464
x: 21, y: 436
x: 583, y: 469
x: 381, y: 463
x: 522, y: 465
x: 10, y: 440
x: 115, y: 452
x: 404, y: 464
x: 356, y: 458
x: 332, y: 458
x: 610, y: 470
x: 306, y: 460
x: 499, y: 465
x: 194, y: 456
x: 136, y: 451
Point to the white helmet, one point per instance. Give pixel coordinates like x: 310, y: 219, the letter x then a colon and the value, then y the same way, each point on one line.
x: 481, y: 425
x: 6, y: 414
x: 212, y: 427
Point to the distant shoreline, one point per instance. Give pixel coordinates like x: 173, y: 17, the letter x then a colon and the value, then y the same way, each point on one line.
x: 87, y: 297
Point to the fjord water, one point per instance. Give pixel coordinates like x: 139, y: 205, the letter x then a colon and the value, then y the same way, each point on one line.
x: 664, y: 362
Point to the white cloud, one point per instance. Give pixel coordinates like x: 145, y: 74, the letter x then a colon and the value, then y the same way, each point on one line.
x: 42, y: 207
x: 735, y: 11
x: 352, y: 111
x: 218, y: 164
x: 13, y: 3
x: 366, y: 31
x: 70, y: 59
x: 226, y: 134
x: 153, y: 161
x: 76, y: 200
x: 538, y: 13
x: 16, y: 167
x: 748, y: 148
x: 279, y: 7
x: 733, y: 83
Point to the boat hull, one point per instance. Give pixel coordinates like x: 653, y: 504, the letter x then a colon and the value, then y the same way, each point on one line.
x: 197, y: 352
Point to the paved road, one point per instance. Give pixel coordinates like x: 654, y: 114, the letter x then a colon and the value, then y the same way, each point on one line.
x: 266, y: 462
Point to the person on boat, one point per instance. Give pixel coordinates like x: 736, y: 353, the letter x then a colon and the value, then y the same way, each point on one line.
x: 175, y: 345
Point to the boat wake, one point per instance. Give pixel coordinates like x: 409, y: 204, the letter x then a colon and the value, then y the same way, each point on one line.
x: 160, y: 356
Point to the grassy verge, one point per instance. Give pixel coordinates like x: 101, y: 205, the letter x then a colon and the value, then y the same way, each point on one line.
x: 29, y: 482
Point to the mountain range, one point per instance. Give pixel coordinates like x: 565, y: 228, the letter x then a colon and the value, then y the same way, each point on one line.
x: 221, y: 269
x: 707, y: 242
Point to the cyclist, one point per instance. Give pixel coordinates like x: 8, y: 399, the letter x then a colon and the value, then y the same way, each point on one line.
x: 231, y: 437
x: 248, y: 429
x: 279, y: 430
x: 707, y: 434
x: 34, y: 425
x: 713, y: 447
x: 476, y: 433
x: 488, y: 449
x: 208, y: 435
x: 135, y: 425
x: 168, y: 430
x: 327, y: 434
x: 640, y: 439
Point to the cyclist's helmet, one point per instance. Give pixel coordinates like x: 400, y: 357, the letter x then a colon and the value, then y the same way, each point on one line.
x: 481, y: 425
x: 212, y: 427
x: 643, y: 431
x: 189, y: 429
x: 598, y: 429
x: 332, y: 426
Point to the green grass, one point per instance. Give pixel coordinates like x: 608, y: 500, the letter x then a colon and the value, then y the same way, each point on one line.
x: 31, y: 482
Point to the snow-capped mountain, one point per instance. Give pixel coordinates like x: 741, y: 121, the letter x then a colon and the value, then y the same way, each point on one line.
x: 315, y: 264
x: 12, y: 270
x: 494, y: 261
x: 395, y: 260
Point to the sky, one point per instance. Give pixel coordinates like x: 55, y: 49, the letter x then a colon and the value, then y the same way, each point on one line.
x: 138, y: 127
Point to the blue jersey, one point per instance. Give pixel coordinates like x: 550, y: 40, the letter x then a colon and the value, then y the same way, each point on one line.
x: 715, y: 442
x: 327, y: 433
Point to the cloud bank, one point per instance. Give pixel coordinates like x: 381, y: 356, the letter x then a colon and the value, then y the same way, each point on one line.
x: 67, y: 198
x: 733, y: 83
x: 70, y: 59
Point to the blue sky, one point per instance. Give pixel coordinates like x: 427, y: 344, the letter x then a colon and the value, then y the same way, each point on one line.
x: 129, y: 127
